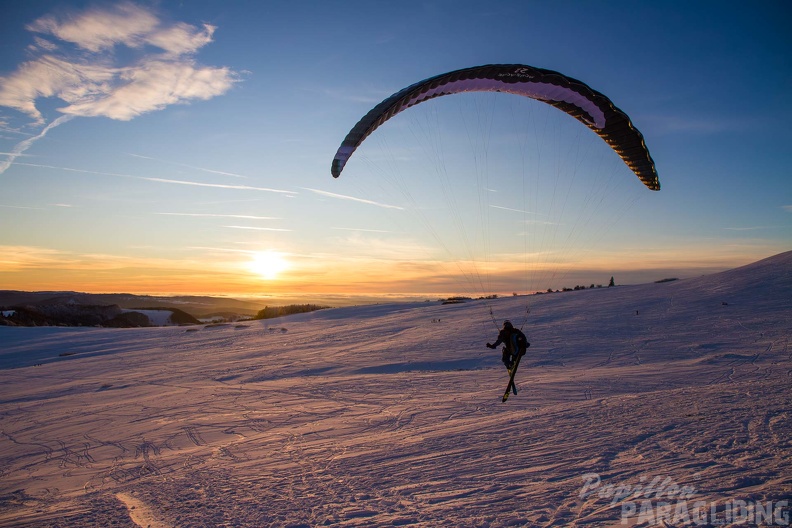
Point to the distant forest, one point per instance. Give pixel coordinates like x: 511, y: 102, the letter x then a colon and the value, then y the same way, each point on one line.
x: 270, y: 312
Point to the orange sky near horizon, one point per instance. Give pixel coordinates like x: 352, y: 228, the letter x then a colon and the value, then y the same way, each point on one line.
x: 241, y: 274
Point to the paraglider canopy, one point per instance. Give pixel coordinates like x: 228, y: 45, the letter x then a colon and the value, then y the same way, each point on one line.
x: 577, y: 99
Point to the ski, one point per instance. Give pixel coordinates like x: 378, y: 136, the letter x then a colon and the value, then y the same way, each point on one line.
x: 511, y: 386
x: 514, y: 388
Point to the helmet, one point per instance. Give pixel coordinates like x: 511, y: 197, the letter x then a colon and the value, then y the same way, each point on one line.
x: 507, y: 324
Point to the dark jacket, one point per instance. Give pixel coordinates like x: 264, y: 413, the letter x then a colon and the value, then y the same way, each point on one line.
x: 515, y: 341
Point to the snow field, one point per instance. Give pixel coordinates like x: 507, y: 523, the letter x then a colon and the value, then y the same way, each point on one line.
x: 383, y: 416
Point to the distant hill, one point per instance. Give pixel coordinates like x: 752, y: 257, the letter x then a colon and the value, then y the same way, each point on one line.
x: 200, y: 307
x: 110, y: 316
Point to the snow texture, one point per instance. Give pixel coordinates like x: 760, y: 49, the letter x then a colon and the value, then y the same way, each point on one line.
x: 390, y: 415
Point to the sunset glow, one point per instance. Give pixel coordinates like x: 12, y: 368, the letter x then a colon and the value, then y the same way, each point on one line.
x: 189, y: 149
x: 269, y: 264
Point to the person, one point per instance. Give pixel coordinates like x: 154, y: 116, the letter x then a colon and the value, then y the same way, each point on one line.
x: 515, y: 343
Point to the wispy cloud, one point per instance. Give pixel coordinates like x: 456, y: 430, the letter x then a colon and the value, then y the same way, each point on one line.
x: 83, y: 171
x: 218, y: 249
x: 514, y: 210
x: 751, y: 228
x: 694, y: 124
x: 21, y: 207
x: 164, y: 180
x: 222, y: 173
x: 21, y: 258
x: 215, y: 185
x: 360, y: 229
x: 93, y: 81
x: 369, y: 99
x: 22, y: 146
x: 212, y: 215
x: 75, y: 60
x: 257, y: 228
x: 102, y: 29
x: 15, y: 258
x: 787, y: 208
x: 351, y: 198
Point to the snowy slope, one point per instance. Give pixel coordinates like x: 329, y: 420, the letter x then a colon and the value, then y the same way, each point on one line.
x: 390, y: 415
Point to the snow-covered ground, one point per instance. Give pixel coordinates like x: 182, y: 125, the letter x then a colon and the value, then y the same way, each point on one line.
x: 390, y: 415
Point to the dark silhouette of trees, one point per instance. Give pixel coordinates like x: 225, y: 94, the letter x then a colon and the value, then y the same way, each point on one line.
x: 270, y: 312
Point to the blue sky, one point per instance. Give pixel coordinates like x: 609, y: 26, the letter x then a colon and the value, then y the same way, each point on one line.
x: 188, y: 149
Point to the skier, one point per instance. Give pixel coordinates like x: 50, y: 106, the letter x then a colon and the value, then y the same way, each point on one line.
x: 515, y: 343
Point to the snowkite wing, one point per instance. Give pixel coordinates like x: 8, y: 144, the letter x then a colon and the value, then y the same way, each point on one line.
x: 588, y: 106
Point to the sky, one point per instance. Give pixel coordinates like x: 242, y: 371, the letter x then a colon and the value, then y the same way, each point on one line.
x: 185, y: 147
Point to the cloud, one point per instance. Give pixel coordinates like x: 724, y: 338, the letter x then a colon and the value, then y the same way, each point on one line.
x: 360, y: 229
x: 149, y: 86
x: 514, y: 210
x: 257, y: 228
x: 215, y: 185
x: 344, y: 95
x: 22, y: 146
x: 751, y: 228
x: 164, y: 180
x: 188, y: 166
x: 95, y: 30
x: 696, y: 124
x: 15, y: 258
x: 76, y: 62
x: 213, y: 215
x: 352, y: 198
x: 127, y: 24
x: 787, y: 208
x: 6, y: 206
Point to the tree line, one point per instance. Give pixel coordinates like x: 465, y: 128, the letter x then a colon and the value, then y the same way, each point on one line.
x: 270, y: 312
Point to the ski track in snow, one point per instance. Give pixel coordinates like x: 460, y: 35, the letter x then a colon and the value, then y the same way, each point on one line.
x: 139, y: 512
x: 381, y: 416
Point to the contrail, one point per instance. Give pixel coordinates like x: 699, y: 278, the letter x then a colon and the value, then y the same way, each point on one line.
x: 515, y: 210
x: 163, y: 180
x: 187, y: 166
x: 213, y: 215
x: 22, y: 146
x: 352, y: 198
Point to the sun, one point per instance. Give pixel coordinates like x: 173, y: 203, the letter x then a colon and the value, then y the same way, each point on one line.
x: 268, y: 264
